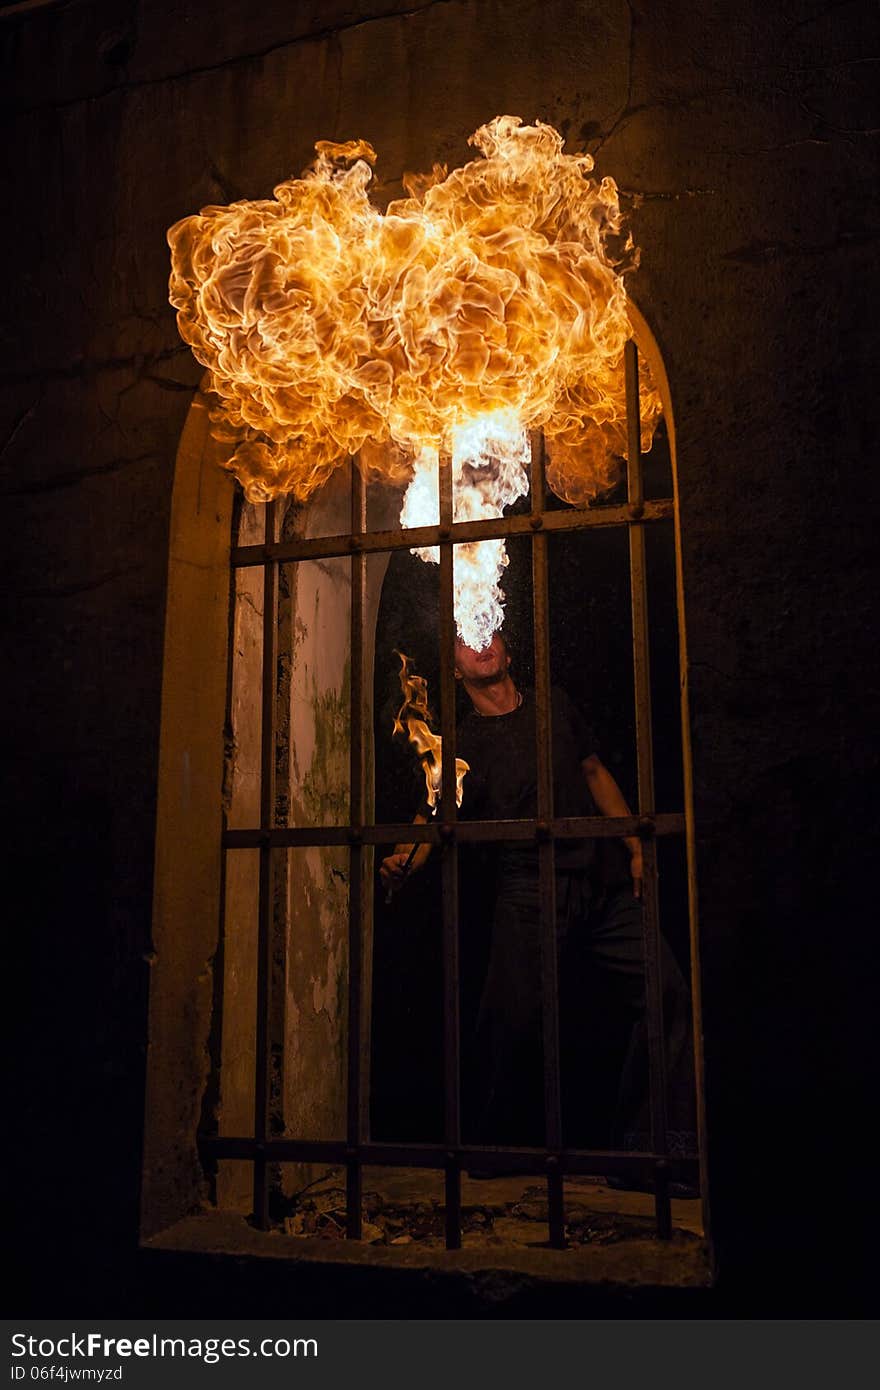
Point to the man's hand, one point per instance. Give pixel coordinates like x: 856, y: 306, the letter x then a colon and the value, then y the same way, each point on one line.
x: 393, y: 870
x: 406, y: 860
x: 635, y: 865
x: 611, y: 802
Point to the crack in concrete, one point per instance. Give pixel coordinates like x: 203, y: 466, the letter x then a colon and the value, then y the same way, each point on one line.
x: 759, y: 252
x: 625, y: 109
x: 17, y: 425
x: 786, y: 145
x: 759, y: 84
x: 680, y: 102
x: 70, y: 479
x: 316, y: 36
x: 814, y: 18
x: 228, y: 189
x: 167, y: 383
x: 87, y: 368
x: 71, y: 590
x: 243, y: 596
x: 830, y: 66
x: 663, y: 195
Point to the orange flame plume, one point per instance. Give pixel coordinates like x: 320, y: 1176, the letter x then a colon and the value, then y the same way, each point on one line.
x: 414, y: 719
x: 489, y: 302
x: 330, y: 328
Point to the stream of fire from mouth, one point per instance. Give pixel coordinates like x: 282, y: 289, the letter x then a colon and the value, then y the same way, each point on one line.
x: 487, y: 303
x: 490, y: 456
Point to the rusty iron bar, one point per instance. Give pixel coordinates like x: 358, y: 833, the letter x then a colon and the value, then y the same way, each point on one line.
x: 328, y: 547
x: 449, y: 863
x: 690, y: 844
x: 546, y: 852
x: 356, y: 885
x: 265, y: 908
x: 527, y: 1161
x: 218, y: 984
x: 561, y: 828
x: 645, y: 764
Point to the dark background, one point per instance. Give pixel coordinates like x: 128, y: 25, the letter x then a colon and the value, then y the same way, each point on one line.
x: 744, y: 142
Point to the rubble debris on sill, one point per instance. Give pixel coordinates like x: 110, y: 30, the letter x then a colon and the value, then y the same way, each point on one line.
x: 523, y: 1221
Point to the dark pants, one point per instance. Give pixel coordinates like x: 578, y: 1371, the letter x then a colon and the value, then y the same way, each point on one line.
x: 602, y: 1024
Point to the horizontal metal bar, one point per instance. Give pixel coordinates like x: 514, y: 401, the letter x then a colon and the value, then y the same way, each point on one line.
x: 440, y: 1156
x: 327, y: 547
x: 470, y: 832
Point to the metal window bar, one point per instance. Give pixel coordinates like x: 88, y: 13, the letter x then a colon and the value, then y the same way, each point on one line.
x: 330, y: 547
x: 645, y: 766
x: 546, y: 853
x: 502, y: 1160
x: 449, y: 867
x: 356, y: 884
x: 265, y: 901
x: 563, y: 828
x: 452, y: 1155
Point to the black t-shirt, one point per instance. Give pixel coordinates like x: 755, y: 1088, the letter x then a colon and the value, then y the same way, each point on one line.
x: 502, y: 783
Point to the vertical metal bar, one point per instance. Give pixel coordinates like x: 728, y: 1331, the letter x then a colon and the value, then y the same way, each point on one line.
x: 645, y: 762
x: 211, y: 1098
x: 449, y: 867
x: 265, y: 902
x: 356, y: 885
x: 546, y: 851
x: 690, y: 835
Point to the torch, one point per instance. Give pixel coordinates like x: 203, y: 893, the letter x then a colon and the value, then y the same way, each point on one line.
x: 414, y: 719
x: 406, y: 868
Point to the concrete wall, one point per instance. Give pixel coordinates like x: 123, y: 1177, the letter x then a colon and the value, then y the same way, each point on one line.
x: 743, y: 141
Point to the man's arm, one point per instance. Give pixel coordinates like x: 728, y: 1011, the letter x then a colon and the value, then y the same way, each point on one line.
x: 392, y: 870
x: 611, y: 802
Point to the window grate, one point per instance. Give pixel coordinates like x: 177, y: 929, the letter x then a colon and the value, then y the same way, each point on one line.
x: 556, y: 1161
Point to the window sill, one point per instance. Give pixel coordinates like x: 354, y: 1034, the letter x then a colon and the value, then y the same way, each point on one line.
x: 216, y: 1249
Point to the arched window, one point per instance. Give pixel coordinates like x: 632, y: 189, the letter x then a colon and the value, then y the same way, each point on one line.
x: 274, y: 1028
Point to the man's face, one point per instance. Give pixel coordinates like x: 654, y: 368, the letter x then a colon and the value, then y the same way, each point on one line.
x: 485, y: 667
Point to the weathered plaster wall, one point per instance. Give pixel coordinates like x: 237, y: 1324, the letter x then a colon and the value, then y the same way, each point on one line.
x: 311, y: 887
x: 743, y: 138
x: 314, y: 1085
x: 318, y: 878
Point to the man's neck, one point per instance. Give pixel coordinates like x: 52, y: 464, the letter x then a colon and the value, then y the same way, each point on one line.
x: 500, y: 697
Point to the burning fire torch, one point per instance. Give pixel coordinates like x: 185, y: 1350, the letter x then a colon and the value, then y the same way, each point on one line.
x: 414, y: 719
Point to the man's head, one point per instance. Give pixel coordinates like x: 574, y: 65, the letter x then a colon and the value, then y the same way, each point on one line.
x: 486, y: 667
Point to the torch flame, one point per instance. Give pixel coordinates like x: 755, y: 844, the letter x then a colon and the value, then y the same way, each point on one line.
x: 414, y: 719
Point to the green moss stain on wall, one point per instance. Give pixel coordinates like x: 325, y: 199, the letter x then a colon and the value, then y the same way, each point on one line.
x: 324, y: 785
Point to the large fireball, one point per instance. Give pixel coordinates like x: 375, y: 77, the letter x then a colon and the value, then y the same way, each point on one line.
x: 329, y: 327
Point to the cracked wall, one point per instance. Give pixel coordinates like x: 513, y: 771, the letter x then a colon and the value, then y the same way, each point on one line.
x: 744, y: 141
